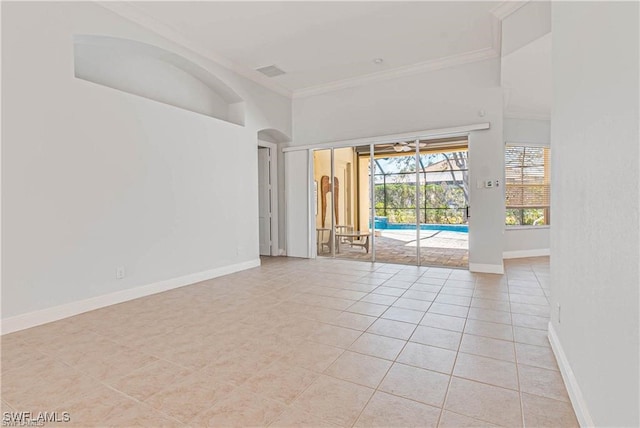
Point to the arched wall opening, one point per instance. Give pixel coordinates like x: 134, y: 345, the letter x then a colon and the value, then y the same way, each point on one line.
x: 156, y: 74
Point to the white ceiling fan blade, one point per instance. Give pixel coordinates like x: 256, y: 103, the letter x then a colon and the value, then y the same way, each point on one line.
x: 400, y: 146
x: 422, y: 144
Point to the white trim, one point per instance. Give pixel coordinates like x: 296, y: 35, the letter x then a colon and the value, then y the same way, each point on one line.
x: 394, y: 73
x: 570, y: 381
x: 527, y: 144
x: 526, y: 226
x: 428, y: 134
x: 137, y: 15
x: 43, y: 316
x: 496, y: 34
x: 133, y: 13
x: 312, y: 248
x: 1, y: 187
x: 506, y: 8
x: 519, y: 254
x: 273, y: 177
x: 486, y: 268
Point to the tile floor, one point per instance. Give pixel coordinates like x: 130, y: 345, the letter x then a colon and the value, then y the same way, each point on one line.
x: 304, y: 343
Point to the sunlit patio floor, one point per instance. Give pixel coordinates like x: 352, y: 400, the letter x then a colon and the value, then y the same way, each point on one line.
x: 437, y: 248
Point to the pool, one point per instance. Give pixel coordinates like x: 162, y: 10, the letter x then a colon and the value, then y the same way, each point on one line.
x: 451, y: 227
x: 383, y: 224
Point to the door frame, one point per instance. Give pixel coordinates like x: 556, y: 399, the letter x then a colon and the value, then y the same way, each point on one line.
x: 312, y: 198
x: 273, y: 177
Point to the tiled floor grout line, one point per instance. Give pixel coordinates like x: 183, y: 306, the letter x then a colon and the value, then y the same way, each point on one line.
x: 406, y: 342
x: 347, y: 349
x: 303, y: 390
x: 104, y: 383
x: 515, y: 353
x: 485, y: 383
x: 418, y: 325
x: 251, y: 331
x: 343, y: 352
x: 455, y: 360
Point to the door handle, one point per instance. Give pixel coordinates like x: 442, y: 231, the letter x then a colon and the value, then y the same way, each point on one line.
x: 467, y: 211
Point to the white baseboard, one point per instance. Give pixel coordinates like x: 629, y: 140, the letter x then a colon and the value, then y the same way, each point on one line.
x: 519, y: 254
x: 575, y: 394
x: 43, y: 316
x: 486, y: 268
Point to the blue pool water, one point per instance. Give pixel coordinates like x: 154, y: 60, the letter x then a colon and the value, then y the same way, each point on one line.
x: 383, y: 224
x: 452, y: 227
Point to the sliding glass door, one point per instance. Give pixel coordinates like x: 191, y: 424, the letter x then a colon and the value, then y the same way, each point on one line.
x: 342, y: 204
x: 395, y: 201
x: 444, y: 187
x: 403, y: 202
x: 324, y: 191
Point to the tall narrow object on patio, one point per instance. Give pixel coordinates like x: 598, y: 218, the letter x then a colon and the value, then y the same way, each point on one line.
x: 325, y: 187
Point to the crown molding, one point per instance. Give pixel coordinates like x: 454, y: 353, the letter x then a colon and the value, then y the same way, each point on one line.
x: 496, y: 34
x: 506, y: 8
x: 133, y: 13
x: 409, y: 70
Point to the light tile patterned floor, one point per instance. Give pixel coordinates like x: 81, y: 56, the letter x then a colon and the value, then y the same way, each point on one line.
x: 304, y: 343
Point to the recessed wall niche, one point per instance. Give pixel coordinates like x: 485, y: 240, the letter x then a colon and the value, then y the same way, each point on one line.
x: 154, y: 73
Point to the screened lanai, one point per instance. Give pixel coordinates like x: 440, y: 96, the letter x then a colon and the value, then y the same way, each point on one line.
x: 420, y: 199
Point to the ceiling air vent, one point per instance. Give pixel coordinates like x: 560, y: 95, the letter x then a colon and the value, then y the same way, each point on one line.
x: 270, y: 71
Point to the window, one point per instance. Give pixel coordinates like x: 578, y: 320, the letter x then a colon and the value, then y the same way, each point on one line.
x: 527, y: 185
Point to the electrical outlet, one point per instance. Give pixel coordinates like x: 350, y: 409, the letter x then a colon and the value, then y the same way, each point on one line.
x: 120, y: 273
x: 488, y: 184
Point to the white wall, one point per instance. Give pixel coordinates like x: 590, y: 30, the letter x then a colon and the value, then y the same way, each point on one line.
x: 526, y: 241
x: 525, y: 25
x: 437, y: 99
x: 527, y: 131
x: 595, y: 244
x: 535, y: 240
x: 94, y: 178
x: 297, y: 203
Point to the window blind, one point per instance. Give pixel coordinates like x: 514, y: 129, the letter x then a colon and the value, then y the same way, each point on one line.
x: 527, y: 178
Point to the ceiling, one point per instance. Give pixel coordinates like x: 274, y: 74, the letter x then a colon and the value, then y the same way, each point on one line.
x: 319, y: 44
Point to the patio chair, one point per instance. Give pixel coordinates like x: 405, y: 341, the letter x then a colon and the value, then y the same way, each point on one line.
x: 363, y: 242
x: 323, y: 239
x: 344, y: 229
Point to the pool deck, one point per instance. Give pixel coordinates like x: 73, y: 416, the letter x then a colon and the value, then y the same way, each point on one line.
x: 437, y: 248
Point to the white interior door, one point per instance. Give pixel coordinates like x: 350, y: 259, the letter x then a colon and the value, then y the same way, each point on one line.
x: 264, y: 200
